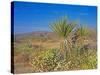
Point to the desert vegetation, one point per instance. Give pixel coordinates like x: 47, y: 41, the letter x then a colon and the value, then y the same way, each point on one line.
x: 70, y: 46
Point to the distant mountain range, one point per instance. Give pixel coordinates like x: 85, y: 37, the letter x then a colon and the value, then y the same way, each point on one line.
x: 35, y: 34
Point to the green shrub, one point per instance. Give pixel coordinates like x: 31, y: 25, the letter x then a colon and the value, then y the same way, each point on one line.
x: 47, y: 60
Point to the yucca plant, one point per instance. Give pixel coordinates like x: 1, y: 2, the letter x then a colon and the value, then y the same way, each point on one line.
x: 82, y: 35
x: 83, y: 32
x: 63, y: 28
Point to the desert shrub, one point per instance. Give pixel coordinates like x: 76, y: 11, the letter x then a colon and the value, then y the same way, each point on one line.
x: 51, y: 60
x: 88, y: 62
x: 47, y: 60
x: 23, y: 51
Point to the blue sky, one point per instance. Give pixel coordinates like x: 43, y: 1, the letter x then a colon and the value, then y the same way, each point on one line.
x: 30, y: 17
